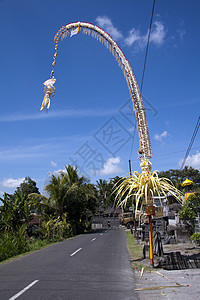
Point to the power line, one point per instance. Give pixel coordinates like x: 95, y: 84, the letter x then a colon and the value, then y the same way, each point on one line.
x: 191, y: 143
x: 145, y: 61
x: 133, y: 138
x: 147, y: 48
x: 171, y: 153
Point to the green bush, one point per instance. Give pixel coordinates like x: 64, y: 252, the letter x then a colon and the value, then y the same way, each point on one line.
x: 12, y: 245
x: 36, y: 243
x: 18, y: 242
x: 196, y: 237
x: 56, y: 229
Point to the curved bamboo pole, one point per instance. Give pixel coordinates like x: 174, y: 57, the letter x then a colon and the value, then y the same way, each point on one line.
x: 98, y: 33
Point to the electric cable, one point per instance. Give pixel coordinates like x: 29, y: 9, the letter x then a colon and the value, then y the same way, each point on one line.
x: 172, y: 153
x: 191, y: 143
x: 147, y: 48
x: 144, y: 67
x: 133, y: 138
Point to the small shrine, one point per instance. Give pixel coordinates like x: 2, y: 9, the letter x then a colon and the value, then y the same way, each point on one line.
x: 188, y: 185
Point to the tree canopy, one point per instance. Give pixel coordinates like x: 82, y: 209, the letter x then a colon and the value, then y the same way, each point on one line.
x: 190, y: 208
x: 178, y: 176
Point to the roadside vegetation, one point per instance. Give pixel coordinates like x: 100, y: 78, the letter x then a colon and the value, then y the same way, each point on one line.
x: 29, y: 220
x: 135, y: 251
x: 177, y: 176
x: 187, y: 213
x: 191, y: 207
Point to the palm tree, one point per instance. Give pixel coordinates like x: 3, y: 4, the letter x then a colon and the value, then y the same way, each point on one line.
x: 102, y: 186
x: 106, y: 192
x: 57, y: 190
x: 71, y: 176
x: 67, y: 193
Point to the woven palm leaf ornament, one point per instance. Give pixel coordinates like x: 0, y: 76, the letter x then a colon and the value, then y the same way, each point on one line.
x: 143, y: 185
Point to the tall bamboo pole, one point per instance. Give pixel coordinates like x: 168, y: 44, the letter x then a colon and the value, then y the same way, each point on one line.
x: 151, y: 242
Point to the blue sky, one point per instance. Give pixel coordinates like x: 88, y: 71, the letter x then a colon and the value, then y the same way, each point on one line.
x: 91, y: 91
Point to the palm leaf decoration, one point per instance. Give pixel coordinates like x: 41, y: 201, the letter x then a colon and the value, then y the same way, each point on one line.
x: 142, y: 187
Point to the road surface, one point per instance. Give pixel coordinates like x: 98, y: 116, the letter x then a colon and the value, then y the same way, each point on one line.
x: 90, y: 266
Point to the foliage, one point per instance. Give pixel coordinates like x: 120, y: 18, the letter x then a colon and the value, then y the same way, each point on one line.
x: 178, y: 176
x: 105, y: 191
x: 37, y: 243
x: 15, y: 211
x: 186, y: 213
x: 80, y: 205
x: 57, y: 190
x: 67, y: 193
x: 196, y: 237
x: 13, y: 243
x: 66, y: 211
x: 27, y: 187
x: 55, y: 229
x: 190, y: 208
x: 135, y: 251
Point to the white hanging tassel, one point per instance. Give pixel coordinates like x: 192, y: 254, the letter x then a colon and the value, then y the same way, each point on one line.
x: 49, y: 90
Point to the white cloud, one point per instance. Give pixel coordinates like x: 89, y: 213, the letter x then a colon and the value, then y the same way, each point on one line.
x: 58, y: 172
x: 135, y: 37
x: 11, y: 183
x: 181, y: 31
x: 65, y: 113
x: 111, y: 166
x: 192, y: 161
x: 140, y: 40
x: 106, y: 23
x: 53, y: 163
x: 158, y: 33
x: 160, y: 137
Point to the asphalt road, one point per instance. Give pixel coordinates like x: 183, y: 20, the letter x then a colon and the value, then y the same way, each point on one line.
x: 90, y: 266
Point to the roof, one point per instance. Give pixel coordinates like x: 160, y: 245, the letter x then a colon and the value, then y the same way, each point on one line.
x: 187, y: 182
x: 113, y: 210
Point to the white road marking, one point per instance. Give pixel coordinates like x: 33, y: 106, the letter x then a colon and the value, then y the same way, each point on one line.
x: 24, y: 290
x: 101, y: 233
x: 76, y: 252
x: 93, y: 239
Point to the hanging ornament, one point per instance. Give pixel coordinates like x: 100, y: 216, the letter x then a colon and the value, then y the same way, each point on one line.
x: 49, y: 91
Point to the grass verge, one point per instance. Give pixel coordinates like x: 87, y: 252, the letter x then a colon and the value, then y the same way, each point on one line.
x: 37, y: 246
x: 135, y: 251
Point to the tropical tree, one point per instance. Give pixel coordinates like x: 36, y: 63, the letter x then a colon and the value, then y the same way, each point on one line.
x: 106, y: 191
x: 71, y: 176
x: 178, y: 176
x: 190, y: 209
x: 103, y: 192
x: 67, y: 193
x: 28, y: 186
x: 57, y: 190
x: 80, y: 205
x: 15, y: 211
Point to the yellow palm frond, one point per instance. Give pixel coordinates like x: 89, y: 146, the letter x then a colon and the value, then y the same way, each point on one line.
x: 142, y: 187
